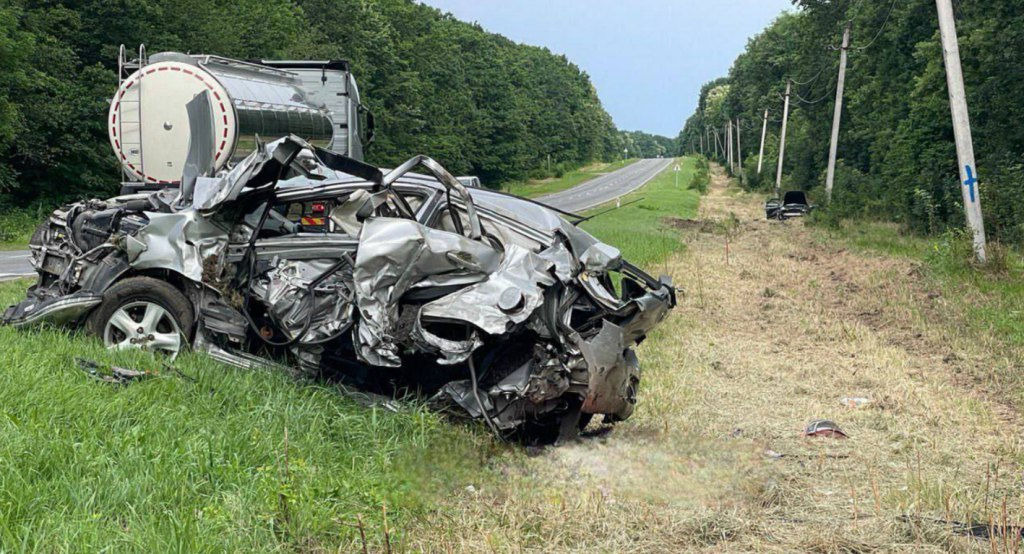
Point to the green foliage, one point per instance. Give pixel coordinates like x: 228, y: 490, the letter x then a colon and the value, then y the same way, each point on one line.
x: 478, y: 102
x: 17, y: 226
x: 701, y: 175
x: 897, y: 159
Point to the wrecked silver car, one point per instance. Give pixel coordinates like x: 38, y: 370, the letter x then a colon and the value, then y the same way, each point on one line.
x: 494, y: 306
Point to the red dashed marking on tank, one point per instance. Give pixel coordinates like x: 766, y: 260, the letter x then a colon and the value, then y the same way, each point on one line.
x: 113, y: 119
x: 128, y: 85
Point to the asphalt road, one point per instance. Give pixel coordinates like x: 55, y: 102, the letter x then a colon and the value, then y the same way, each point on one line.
x: 596, y: 191
x: 15, y: 264
x: 606, y: 187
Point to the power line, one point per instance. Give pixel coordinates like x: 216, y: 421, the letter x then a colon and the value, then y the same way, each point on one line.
x: 822, y: 98
x: 812, y: 79
x: 880, y: 29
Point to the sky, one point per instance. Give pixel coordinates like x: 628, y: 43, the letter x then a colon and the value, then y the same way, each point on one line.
x: 647, y: 58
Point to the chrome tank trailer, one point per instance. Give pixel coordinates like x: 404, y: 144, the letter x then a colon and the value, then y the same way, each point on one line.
x: 148, y: 122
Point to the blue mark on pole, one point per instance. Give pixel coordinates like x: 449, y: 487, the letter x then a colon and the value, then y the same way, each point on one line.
x: 971, y: 181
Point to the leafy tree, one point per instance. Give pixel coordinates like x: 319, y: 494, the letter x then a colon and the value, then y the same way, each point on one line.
x: 897, y: 158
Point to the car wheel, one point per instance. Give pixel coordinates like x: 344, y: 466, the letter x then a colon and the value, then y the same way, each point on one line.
x: 143, y: 313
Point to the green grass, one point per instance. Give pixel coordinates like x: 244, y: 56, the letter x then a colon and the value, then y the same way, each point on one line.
x: 639, y: 230
x: 535, y: 188
x: 171, y: 464
x: 993, y: 297
x: 167, y: 464
x: 17, y: 226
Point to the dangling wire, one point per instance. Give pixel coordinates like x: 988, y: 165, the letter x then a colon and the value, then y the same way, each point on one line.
x: 880, y: 29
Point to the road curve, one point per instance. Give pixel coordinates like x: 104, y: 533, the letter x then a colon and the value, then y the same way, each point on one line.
x: 607, y: 187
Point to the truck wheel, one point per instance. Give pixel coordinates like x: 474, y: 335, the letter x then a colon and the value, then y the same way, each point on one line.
x: 143, y: 313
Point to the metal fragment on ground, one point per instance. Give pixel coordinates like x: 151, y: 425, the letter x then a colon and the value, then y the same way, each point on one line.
x: 823, y: 428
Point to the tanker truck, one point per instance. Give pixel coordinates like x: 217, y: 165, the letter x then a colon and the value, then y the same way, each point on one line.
x: 148, y: 123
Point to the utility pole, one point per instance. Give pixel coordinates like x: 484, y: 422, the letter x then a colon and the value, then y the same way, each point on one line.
x: 961, y: 126
x: 739, y: 150
x: 728, y: 143
x: 732, y: 147
x: 837, y: 116
x: 764, y: 133
x: 782, y: 141
x: 718, y: 144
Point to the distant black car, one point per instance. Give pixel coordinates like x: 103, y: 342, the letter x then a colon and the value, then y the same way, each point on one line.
x: 793, y: 204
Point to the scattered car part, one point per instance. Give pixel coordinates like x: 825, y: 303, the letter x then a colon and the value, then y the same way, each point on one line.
x: 495, y: 307
x: 824, y: 428
x: 111, y: 374
x: 854, y: 401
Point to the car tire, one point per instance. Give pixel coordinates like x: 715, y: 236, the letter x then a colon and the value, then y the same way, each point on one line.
x: 137, y: 296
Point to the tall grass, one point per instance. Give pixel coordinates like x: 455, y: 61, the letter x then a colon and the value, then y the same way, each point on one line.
x: 17, y: 226
x: 993, y: 293
x: 223, y: 460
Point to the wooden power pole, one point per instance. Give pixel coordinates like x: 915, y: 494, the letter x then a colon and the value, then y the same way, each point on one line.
x: 764, y: 133
x: 830, y: 177
x: 782, y: 141
x: 961, y: 126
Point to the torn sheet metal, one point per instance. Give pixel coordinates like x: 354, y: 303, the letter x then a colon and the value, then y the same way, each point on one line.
x: 508, y: 296
x: 394, y: 255
x: 285, y: 293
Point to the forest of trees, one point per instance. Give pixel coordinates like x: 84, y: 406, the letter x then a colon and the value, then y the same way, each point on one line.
x: 476, y: 101
x: 897, y: 157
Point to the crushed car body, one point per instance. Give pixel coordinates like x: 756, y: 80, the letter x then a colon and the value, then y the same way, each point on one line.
x: 494, y: 306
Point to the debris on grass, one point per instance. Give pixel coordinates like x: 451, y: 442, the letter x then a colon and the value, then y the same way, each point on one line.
x: 825, y: 429
x: 854, y: 401
x: 112, y: 374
